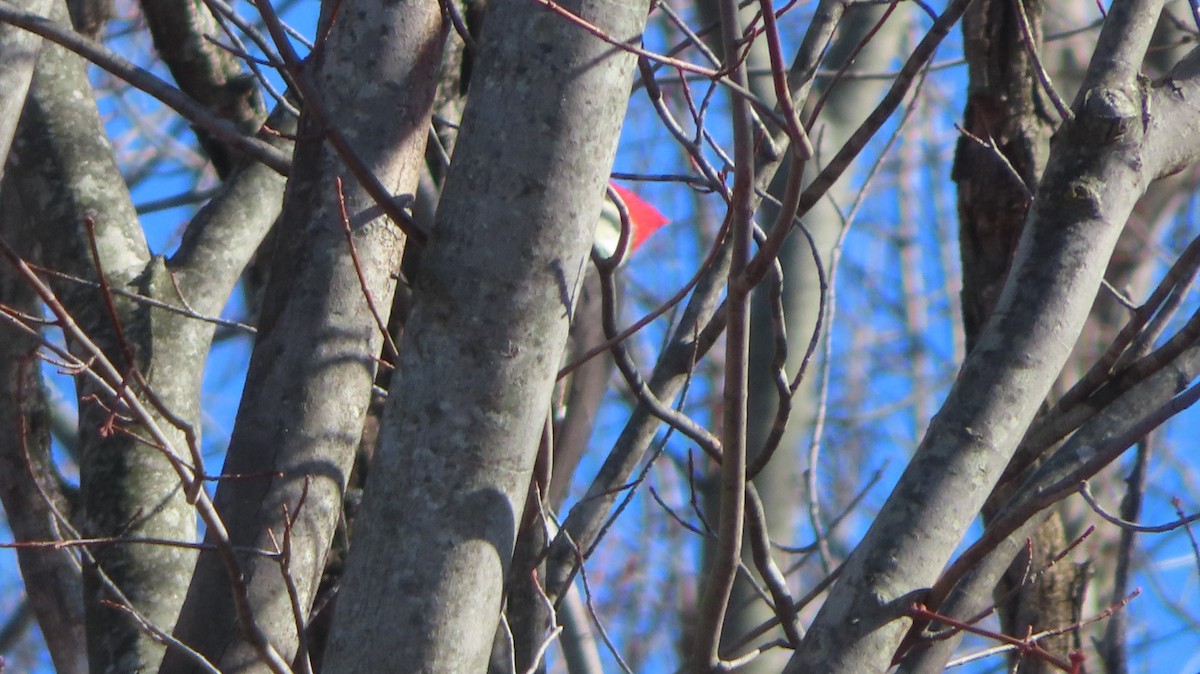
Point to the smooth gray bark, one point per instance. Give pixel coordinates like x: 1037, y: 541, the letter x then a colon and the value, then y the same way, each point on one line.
x: 492, y: 305
x: 993, y: 201
x: 310, y: 374
x: 65, y: 172
x: 29, y: 489
x: 972, y: 595
x: 18, y: 52
x: 1101, y: 163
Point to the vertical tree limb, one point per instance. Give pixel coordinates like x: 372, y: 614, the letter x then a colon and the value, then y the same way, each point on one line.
x: 492, y: 304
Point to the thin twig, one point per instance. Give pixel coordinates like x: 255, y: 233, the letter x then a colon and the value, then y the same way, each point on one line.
x: 362, y: 278
x: 1031, y: 49
x: 284, y: 558
x: 215, y: 526
x: 1086, y: 493
x: 1026, y: 646
x: 1113, y: 648
x: 637, y: 385
x: 146, y: 81
x: 591, y: 607
x: 160, y: 635
x: 1046, y: 495
x: 989, y: 144
x: 392, y: 206
x: 760, y: 546
x: 740, y: 216
x: 1187, y: 526
x: 62, y: 522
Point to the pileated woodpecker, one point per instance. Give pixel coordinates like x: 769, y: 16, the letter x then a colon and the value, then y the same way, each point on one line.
x: 644, y: 220
x: 578, y: 400
x: 579, y: 395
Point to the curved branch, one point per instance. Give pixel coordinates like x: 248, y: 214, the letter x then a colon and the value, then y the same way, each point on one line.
x: 147, y: 82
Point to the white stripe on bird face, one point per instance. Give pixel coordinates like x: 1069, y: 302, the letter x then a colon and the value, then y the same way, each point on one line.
x: 608, y: 230
x: 644, y: 220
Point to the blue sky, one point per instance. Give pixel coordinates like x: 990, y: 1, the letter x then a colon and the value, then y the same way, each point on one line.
x: 869, y: 298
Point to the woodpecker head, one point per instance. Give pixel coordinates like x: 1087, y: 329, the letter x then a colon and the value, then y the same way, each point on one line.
x: 644, y: 220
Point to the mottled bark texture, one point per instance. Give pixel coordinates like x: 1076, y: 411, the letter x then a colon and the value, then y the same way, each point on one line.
x: 311, y: 370
x: 19, y: 50
x: 492, y: 304
x: 30, y: 487
x: 64, y: 170
x: 66, y: 173
x: 1008, y: 119
x: 1101, y: 162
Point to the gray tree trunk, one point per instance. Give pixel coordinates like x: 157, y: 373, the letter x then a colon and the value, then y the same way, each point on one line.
x: 1102, y: 162
x: 68, y: 175
x: 30, y: 491
x: 310, y: 374
x: 492, y: 304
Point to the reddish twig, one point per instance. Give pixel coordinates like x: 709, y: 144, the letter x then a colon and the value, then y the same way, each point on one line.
x: 1026, y: 646
x: 103, y: 369
x: 650, y: 317
x: 302, y: 662
x: 158, y: 634
x: 146, y: 81
x: 391, y: 206
x: 625, y: 46
x: 1032, y: 50
x: 362, y: 279
x: 76, y: 542
x: 186, y: 310
x: 802, y: 147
